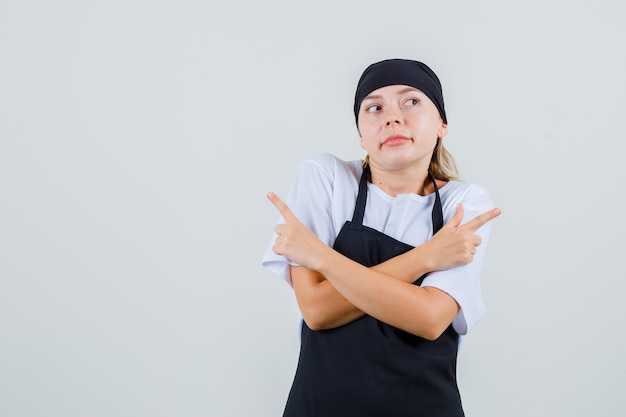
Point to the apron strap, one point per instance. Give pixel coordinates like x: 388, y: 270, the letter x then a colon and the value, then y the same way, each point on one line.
x: 359, y: 210
x: 437, y: 214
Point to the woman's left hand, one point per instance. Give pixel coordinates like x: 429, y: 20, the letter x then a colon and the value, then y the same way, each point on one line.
x: 294, y: 240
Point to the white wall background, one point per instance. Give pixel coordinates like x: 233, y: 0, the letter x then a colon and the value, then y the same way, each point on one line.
x: 138, y: 140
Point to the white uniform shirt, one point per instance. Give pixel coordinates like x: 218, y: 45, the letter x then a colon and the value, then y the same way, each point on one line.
x: 323, y: 197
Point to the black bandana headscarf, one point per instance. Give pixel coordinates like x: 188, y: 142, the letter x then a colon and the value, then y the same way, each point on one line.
x: 400, y: 72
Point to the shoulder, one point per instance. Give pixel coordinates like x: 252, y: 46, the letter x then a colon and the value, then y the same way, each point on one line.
x: 464, y: 187
x: 329, y: 162
x: 475, y: 198
x: 329, y: 166
x: 463, y: 191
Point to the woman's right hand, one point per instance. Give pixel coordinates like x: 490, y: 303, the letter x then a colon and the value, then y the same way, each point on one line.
x: 456, y: 244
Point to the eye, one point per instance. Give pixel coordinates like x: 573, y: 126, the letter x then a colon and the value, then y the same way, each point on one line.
x: 373, y: 108
x: 411, y: 102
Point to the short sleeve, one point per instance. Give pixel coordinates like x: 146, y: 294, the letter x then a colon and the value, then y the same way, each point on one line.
x: 463, y: 282
x: 310, y: 199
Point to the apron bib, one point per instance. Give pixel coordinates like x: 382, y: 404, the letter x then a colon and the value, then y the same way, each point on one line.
x: 367, y: 368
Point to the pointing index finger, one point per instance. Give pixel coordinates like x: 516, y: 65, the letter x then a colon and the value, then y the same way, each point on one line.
x: 280, y: 205
x: 482, y: 219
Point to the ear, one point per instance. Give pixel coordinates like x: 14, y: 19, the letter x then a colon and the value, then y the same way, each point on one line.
x: 360, y: 137
x: 443, y: 130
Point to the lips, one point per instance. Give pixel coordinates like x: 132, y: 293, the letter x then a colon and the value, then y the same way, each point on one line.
x: 395, y: 140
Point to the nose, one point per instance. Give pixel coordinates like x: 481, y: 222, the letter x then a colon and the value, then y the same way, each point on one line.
x: 393, y: 118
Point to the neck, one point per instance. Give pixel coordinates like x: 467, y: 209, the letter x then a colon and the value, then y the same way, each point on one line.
x: 404, y: 181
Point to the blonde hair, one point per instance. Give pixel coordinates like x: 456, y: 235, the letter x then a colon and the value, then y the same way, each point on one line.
x: 442, y: 164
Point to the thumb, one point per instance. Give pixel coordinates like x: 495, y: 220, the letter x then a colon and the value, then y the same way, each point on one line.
x: 457, y: 217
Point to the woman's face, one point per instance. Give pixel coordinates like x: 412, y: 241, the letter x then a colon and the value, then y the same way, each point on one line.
x: 399, y: 126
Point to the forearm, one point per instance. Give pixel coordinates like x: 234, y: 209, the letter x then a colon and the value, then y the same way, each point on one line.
x: 425, y: 312
x: 407, y: 267
x: 323, y: 307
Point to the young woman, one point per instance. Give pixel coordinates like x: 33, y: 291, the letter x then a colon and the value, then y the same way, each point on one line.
x: 385, y: 288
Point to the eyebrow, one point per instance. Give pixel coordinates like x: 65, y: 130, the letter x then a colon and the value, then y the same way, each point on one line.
x: 403, y: 91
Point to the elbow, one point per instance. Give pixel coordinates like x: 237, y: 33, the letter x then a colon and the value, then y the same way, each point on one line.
x: 434, y: 328
x: 437, y: 316
x: 317, y: 324
x: 314, y: 318
x: 433, y: 334
x: 428, y: 331
x: 317, y: 317
x: 314, y: 325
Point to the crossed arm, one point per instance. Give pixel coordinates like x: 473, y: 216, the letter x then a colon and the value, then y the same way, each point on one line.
x: 333, y: 290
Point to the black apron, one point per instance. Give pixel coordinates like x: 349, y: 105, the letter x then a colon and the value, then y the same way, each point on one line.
x: 366, y: 367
